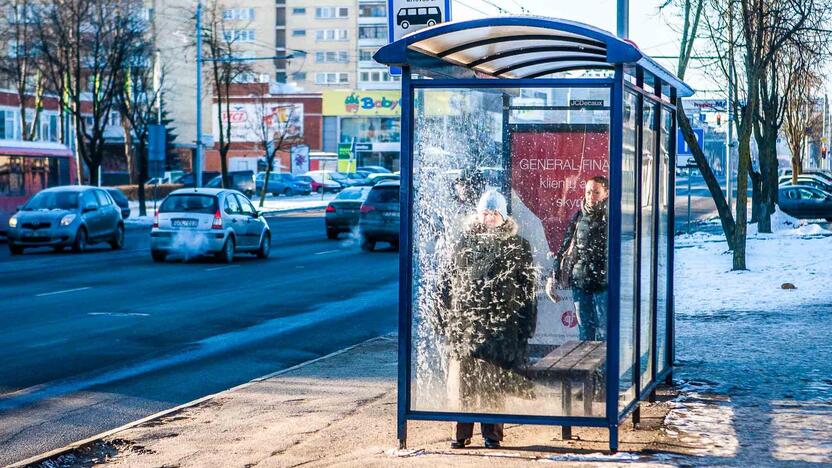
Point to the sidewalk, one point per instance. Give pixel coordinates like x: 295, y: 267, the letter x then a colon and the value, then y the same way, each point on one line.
x: 341, y: 410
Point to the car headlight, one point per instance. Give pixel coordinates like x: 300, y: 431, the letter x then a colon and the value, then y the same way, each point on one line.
x: 13, y: 222
x: 67, y: 220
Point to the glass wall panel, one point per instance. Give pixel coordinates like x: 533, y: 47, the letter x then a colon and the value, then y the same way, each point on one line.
x: 510, y: 251
x: 663, y: 239
x: 648, y: 152
x: 627, y: 389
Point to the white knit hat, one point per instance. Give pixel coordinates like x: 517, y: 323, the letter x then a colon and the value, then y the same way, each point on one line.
x: 493, y: 200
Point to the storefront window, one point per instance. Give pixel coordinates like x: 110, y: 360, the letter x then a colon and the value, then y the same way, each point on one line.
x: 370, y: 129
x: 510, y: 243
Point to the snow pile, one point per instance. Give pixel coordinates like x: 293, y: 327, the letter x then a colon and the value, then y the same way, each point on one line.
x: 704, y: 282
x: 595, y: 457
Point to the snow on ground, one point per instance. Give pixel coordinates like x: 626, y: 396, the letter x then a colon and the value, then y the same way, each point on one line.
x: 755, y: 390
x: 272, y: 204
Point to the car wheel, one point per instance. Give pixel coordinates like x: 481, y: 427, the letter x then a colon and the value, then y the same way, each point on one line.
x: 80, y: 243
x: 320, y: 190
x: 331, y: 234
x: 367, y: 245
x: 158, y: 256
x: 405, y: 24
x: 15, y: 249
x: 118, y: 238
x: 431, y: 23
x: 287, y: 192
x: 265, y: 246
x: 226, y: 255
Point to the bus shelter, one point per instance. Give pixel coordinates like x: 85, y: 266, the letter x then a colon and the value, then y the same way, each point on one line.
x: 536, y: 247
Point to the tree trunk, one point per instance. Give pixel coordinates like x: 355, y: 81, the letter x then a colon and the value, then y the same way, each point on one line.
x: 266, y: 181
x: 743, y: 166
x: 128, y: 151
x: 722, y: 208
x: 756, y: 196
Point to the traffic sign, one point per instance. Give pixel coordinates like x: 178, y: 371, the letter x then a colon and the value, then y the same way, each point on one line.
x: 407, y: 16
x: 682, y: 148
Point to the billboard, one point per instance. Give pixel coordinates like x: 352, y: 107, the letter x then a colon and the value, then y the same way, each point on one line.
x: 358, y: 103
x: 249, y: 121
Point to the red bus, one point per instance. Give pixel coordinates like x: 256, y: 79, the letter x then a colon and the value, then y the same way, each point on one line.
x: 27, y: 168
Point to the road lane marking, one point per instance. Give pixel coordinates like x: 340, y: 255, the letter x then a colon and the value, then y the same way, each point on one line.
x: 120, y: 314
x: 325, y: 252
x: 61, y: 292
x: 222, y: 267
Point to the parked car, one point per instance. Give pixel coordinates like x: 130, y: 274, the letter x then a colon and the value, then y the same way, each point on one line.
x: 322, y: 181
x: 188, y: 178
x: 283, y: 183
x: 378, y: 178
x: 342, y: 212
x: 803, y: 201
x: 358, y: 178
x: 121, y: 200
x: 69, y: 216
x: 242, y: 181
x: 204, y: 221
x: 810, y: 181
x: 374, y: 169
x: 379, y: 216
x: 343, y: 180
x: 822, y: 176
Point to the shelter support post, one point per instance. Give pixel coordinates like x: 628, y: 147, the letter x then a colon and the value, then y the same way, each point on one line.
x: 614, y: 438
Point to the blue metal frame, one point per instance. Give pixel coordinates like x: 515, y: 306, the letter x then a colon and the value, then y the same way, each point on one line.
x: 625, y: 54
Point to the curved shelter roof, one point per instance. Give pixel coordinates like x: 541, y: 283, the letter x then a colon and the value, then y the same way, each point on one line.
x: 520, y: 47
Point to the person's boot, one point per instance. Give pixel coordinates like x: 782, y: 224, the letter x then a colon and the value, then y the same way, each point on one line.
x: 460, y: 443
x: 491, y: 443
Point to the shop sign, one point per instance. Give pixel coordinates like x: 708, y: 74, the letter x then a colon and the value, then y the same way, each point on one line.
x: 362, y: 103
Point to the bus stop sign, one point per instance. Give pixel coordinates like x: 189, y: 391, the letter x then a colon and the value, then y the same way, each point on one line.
x: 407, y: 16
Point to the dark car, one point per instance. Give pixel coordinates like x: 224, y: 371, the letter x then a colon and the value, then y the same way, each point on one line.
x: 69, y: 216
x: 121, y: 200
x: 187, y: 179
x: 809, y: 181
x: 343, y: 180
x: 359, y: 178
x: 802, y: 201
x: 379, y: 178
x: 379, y: 216
x: 283, y: 183
x: 374, y: 169
x: 242, y: 181
x: 342, y: 212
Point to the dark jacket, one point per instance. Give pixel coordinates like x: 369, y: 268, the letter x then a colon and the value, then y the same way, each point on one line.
x: 586, y: 261
x: 489, y: 303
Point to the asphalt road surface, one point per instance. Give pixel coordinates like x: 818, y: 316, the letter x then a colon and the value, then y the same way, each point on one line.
x: 95, y: 340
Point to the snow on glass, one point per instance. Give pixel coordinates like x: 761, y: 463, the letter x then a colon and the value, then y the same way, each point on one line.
x: 480, y: 311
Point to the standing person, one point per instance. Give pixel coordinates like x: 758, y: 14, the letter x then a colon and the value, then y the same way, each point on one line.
x: 488, y: 311
x: 581, y: 262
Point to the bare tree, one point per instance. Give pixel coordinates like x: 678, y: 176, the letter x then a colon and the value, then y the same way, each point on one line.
x: 747, y: 35
x: 692, y: 14
x: 86, y: 45
x: 139, y: 100
x: 22, y: 64
x: 801, y: 116
x: 221, y: 49
x: 275, y: 129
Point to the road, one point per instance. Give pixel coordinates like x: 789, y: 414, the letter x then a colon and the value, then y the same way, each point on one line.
x: 96, y: 340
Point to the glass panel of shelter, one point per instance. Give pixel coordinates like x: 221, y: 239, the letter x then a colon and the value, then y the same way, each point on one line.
x: 665, y: 166
x: 509, y: 239
x: 648, y: 160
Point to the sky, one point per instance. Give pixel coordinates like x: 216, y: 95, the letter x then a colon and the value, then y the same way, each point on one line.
x: 650, y: 29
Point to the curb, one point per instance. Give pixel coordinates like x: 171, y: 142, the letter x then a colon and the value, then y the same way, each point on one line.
x: 75, y: 445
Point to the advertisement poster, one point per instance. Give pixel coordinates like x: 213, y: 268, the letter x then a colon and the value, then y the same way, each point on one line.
x: 299, y: 159
x: 246, y: 120
x: 549, y: 173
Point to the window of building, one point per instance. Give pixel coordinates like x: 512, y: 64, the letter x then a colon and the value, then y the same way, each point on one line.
x: 8, y: 119
x: 377, y: 76
x: 332, y: 34
x: 232, y: 14
x: 280, y: 77
x: 115, y: 119
x: 298, y: 11
x: 298, y: 32
x: 331, y: 12
x: 332, y: 78
x: 374, y: 31
x: 238, y: 35
x: 299, y: 76
x: 372, y: 11
x: 366, y: 55
x: 332, y: 57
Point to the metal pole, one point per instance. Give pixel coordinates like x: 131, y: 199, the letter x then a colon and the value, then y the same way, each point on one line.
x: 730, y: 134
x: 623, y: 19
x: 690, y: 173
x: 199, y: 154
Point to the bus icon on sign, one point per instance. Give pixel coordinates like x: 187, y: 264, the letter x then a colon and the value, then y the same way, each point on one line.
x: 426, y: 15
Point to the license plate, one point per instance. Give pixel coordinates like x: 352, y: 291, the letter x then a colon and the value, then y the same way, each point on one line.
x: 183, y: 223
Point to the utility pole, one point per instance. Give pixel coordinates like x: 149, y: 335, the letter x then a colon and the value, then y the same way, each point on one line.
x: 623, y: 19
x: 199, y: 154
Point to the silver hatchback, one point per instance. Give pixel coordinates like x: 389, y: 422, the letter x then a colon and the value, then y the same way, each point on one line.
x: 219, y: 222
